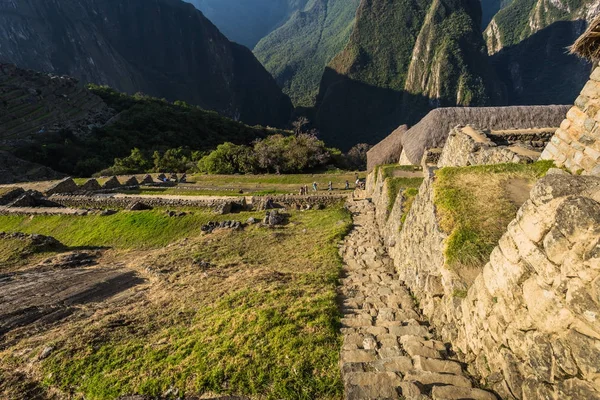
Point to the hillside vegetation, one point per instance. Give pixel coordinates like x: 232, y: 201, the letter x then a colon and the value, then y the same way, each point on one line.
x: 144, y: 122
x: 297, y: 52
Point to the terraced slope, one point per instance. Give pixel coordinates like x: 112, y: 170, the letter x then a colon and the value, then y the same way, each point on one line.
x: 296, y: 53
x: 33, y: 104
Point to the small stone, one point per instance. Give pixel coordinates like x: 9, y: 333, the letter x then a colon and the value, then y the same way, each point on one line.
x: 46, y: 352
x: 460, y: 393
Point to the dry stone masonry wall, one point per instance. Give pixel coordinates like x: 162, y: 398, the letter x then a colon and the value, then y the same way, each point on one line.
x: 471, y: 146
x: 576, y: 144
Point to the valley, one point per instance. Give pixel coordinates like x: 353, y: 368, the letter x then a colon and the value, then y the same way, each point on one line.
x: 299, y: 199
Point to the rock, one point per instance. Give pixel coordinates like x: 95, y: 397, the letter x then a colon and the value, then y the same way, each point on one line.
x: 46, y: 352
x: 273, y: 218
x: 460, y: 393
x: 11, y: 195
x: 106, y: 213
x: 139, y: 206
x: 251, y: 221
x: 433, y: 378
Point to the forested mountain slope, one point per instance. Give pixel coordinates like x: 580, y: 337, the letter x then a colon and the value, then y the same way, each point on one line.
x: 402, y: 59
x: 165, y: 48
x: 297, y: 52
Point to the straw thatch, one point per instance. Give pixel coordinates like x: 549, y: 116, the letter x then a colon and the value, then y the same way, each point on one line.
x: 387, y: 151
x: 588, y: 44
x: 432, y: 130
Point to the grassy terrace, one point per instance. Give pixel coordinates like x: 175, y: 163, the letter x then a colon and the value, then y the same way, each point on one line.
x: 476, y: 204
x: 261, y: 320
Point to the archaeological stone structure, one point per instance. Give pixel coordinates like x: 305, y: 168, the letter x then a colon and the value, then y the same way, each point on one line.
x: 525, y: 324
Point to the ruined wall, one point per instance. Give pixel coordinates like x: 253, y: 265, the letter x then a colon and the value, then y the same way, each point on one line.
x: 576, y: 144
x: 528, y: 325
x: 472, y: 146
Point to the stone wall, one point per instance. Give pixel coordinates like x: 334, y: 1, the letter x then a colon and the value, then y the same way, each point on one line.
x: 528, y: 324
x: 472, y: 146
x: 103, y: 201
x: 576, y: 144
x: 297, y: 201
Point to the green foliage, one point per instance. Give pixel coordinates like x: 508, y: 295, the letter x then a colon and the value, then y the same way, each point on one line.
x: 276, y: 153
x: 228, y: 158
x: 297, y: 52
x: 395, y: 185
x: 409, y: 198
x: 144, y: 123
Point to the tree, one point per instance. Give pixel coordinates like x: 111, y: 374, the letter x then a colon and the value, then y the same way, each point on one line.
x: 228, y: 158
x: 356, y: 158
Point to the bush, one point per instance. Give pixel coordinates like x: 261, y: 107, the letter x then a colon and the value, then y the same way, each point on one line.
x: 228, y: 158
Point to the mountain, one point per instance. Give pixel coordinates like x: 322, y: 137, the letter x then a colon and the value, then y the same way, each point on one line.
x: 248, y: 21
x: 404, y: 58
x: 527, y: 41
x: 523, y: 18
x: 165, y: 48
x: 297, y: 52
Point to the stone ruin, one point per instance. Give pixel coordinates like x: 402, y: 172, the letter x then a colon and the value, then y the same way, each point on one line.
x: 91, y: 185
x: 526, y: 325
x: 112, y: 183
x: 67, y: 185
x: 147, y: 180
x: 131, y: 182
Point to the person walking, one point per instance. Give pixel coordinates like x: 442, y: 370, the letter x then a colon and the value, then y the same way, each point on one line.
x: 347, y: 187
x: 330, y: 186
x: 315, y: 186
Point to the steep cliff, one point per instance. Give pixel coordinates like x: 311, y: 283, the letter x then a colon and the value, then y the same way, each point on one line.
x: 527, y: 41
x: 523, y: 18
x: 403, y: 59
x: 297, y: 52
x: 165, y: 48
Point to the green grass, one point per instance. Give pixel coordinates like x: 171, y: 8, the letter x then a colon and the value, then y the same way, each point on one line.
x: 409, y: 198
x: 202, y: 192
x: 262, y: 321
x: 474, y: 208
x: 124, y: 230
x: 337, y: 177
x: 396, y: 184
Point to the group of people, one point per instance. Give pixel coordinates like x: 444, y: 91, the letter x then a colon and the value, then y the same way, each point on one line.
x: 315, y: 186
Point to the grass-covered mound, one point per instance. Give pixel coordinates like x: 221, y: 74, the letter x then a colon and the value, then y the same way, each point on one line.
x: 476, y: 204
x: 249, y: 312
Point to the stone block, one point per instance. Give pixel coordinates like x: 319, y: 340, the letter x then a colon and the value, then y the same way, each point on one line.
x: 434, y: 379
x: 460, y: 393
x: 586, y: 353
x: 419, y: 330
x: 372, y: 385
x: 565, y: 124
x: 358, y: 356
x: 401, y: 364
x: 556, y: 246
x: 591, y: 89
x: 548, y: 313
x: 595, y: 74
x: 577, y: 389
x: 563, y: 134
x: 566, y: 366
x: 532, y: 255
x: 417, y: 349
x: 535, y: 221
x: 435, y: 365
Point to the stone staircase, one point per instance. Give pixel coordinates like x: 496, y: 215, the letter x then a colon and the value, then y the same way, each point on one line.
x: 389, y: 351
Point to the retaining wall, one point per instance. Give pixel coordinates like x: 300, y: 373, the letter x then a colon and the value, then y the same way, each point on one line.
x: 528, y: 324
x: 576, y: 144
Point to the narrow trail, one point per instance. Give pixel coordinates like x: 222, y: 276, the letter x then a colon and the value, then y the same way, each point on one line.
x: 389, y: 351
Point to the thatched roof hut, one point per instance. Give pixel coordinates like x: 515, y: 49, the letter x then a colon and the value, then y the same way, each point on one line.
x: 387, y: 151
x: 432, y: 131
x: 588, y: 44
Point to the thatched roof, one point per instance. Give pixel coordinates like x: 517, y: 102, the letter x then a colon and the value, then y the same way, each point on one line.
x: 432, y: 130
x: 388, y: 150
x: 588, y: 44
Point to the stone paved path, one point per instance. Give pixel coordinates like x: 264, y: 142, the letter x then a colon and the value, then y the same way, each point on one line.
x: 389, y: 352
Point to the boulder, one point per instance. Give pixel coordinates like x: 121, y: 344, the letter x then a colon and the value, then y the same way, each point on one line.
x: 139, y: 206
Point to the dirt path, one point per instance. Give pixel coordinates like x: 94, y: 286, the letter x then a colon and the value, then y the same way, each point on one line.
x: 43, y: 210
x: 389, y: 351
